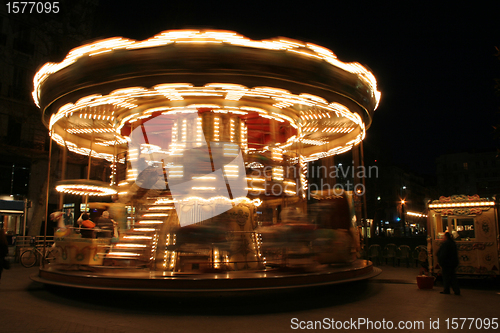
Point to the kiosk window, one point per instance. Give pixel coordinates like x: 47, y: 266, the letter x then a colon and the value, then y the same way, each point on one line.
x: 465, y: 228
x: 444, y: 226
x: 441, y: 225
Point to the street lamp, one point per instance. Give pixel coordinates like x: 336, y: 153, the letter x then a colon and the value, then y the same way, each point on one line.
x: 403, y: 216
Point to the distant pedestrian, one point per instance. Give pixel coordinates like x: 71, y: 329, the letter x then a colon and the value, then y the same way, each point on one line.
x: 448, y: 260
x: 4, y: 250
x: 69, y: 218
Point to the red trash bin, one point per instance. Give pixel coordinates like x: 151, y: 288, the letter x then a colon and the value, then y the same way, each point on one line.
x: 425, y: 282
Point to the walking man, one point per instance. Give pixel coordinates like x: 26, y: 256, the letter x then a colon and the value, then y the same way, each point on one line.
x: 448, y: 260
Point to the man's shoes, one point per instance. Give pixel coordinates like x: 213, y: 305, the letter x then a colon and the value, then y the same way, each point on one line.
x: 444, y: 292
x: 458, y: 294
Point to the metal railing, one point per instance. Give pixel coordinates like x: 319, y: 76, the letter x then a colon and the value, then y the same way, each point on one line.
x: 23, y: 243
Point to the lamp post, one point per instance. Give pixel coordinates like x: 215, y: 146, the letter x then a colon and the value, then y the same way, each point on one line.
x: 403, y: 201
x: 403, y: 219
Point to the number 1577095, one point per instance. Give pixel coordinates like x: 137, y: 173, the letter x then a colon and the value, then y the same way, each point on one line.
x: 25, y: 7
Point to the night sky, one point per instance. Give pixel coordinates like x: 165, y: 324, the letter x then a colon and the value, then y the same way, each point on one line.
x: 435, y: 64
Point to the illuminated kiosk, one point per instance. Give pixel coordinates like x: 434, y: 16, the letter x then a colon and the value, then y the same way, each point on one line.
x: 473, y: 223
x: 202, y: 136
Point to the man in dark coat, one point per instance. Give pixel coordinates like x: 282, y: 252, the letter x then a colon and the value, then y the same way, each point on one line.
x: 448, y: 260
x: 106, y: 224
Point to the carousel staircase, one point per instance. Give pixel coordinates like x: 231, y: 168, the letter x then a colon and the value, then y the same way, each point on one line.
x: 137, y: 246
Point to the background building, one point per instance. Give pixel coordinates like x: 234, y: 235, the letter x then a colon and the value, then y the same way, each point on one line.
x: 401, y: 198
x: 468, y: 173
x: 26, y: 42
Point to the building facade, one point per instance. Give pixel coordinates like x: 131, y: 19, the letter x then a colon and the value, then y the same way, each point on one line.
x: 469, y: 173
x: 26, y: 41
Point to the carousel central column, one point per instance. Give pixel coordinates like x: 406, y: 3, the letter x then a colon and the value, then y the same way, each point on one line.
x: 63, y: 174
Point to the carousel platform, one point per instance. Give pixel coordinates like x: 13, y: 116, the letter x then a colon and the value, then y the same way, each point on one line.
x: 109, y: 278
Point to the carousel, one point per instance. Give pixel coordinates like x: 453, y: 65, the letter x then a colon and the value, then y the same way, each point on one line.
x: 195, y: 145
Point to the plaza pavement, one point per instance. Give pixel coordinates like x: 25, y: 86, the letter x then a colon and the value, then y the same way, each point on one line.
x: 27, y: 306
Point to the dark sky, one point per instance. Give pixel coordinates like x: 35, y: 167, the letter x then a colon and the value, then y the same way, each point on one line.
x: 435, y: 64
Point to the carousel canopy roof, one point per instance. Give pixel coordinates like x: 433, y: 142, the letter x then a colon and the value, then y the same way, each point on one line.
x: 301, y: 90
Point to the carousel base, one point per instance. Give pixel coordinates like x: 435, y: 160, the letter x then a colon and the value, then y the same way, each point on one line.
x: 211, y: 283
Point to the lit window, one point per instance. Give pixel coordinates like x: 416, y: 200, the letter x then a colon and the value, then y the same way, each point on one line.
x: 465, y: 228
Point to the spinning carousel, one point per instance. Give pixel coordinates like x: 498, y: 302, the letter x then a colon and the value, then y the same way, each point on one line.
x: 197, y: 143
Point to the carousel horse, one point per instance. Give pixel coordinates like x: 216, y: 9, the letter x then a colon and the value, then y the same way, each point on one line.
x: 61, y: 229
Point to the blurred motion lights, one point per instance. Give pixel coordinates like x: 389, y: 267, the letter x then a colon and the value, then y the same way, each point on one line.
x: 85, y: 187
x: 194, y: 37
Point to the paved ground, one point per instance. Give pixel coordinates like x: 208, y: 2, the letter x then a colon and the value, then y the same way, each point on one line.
x: 393, y: 296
